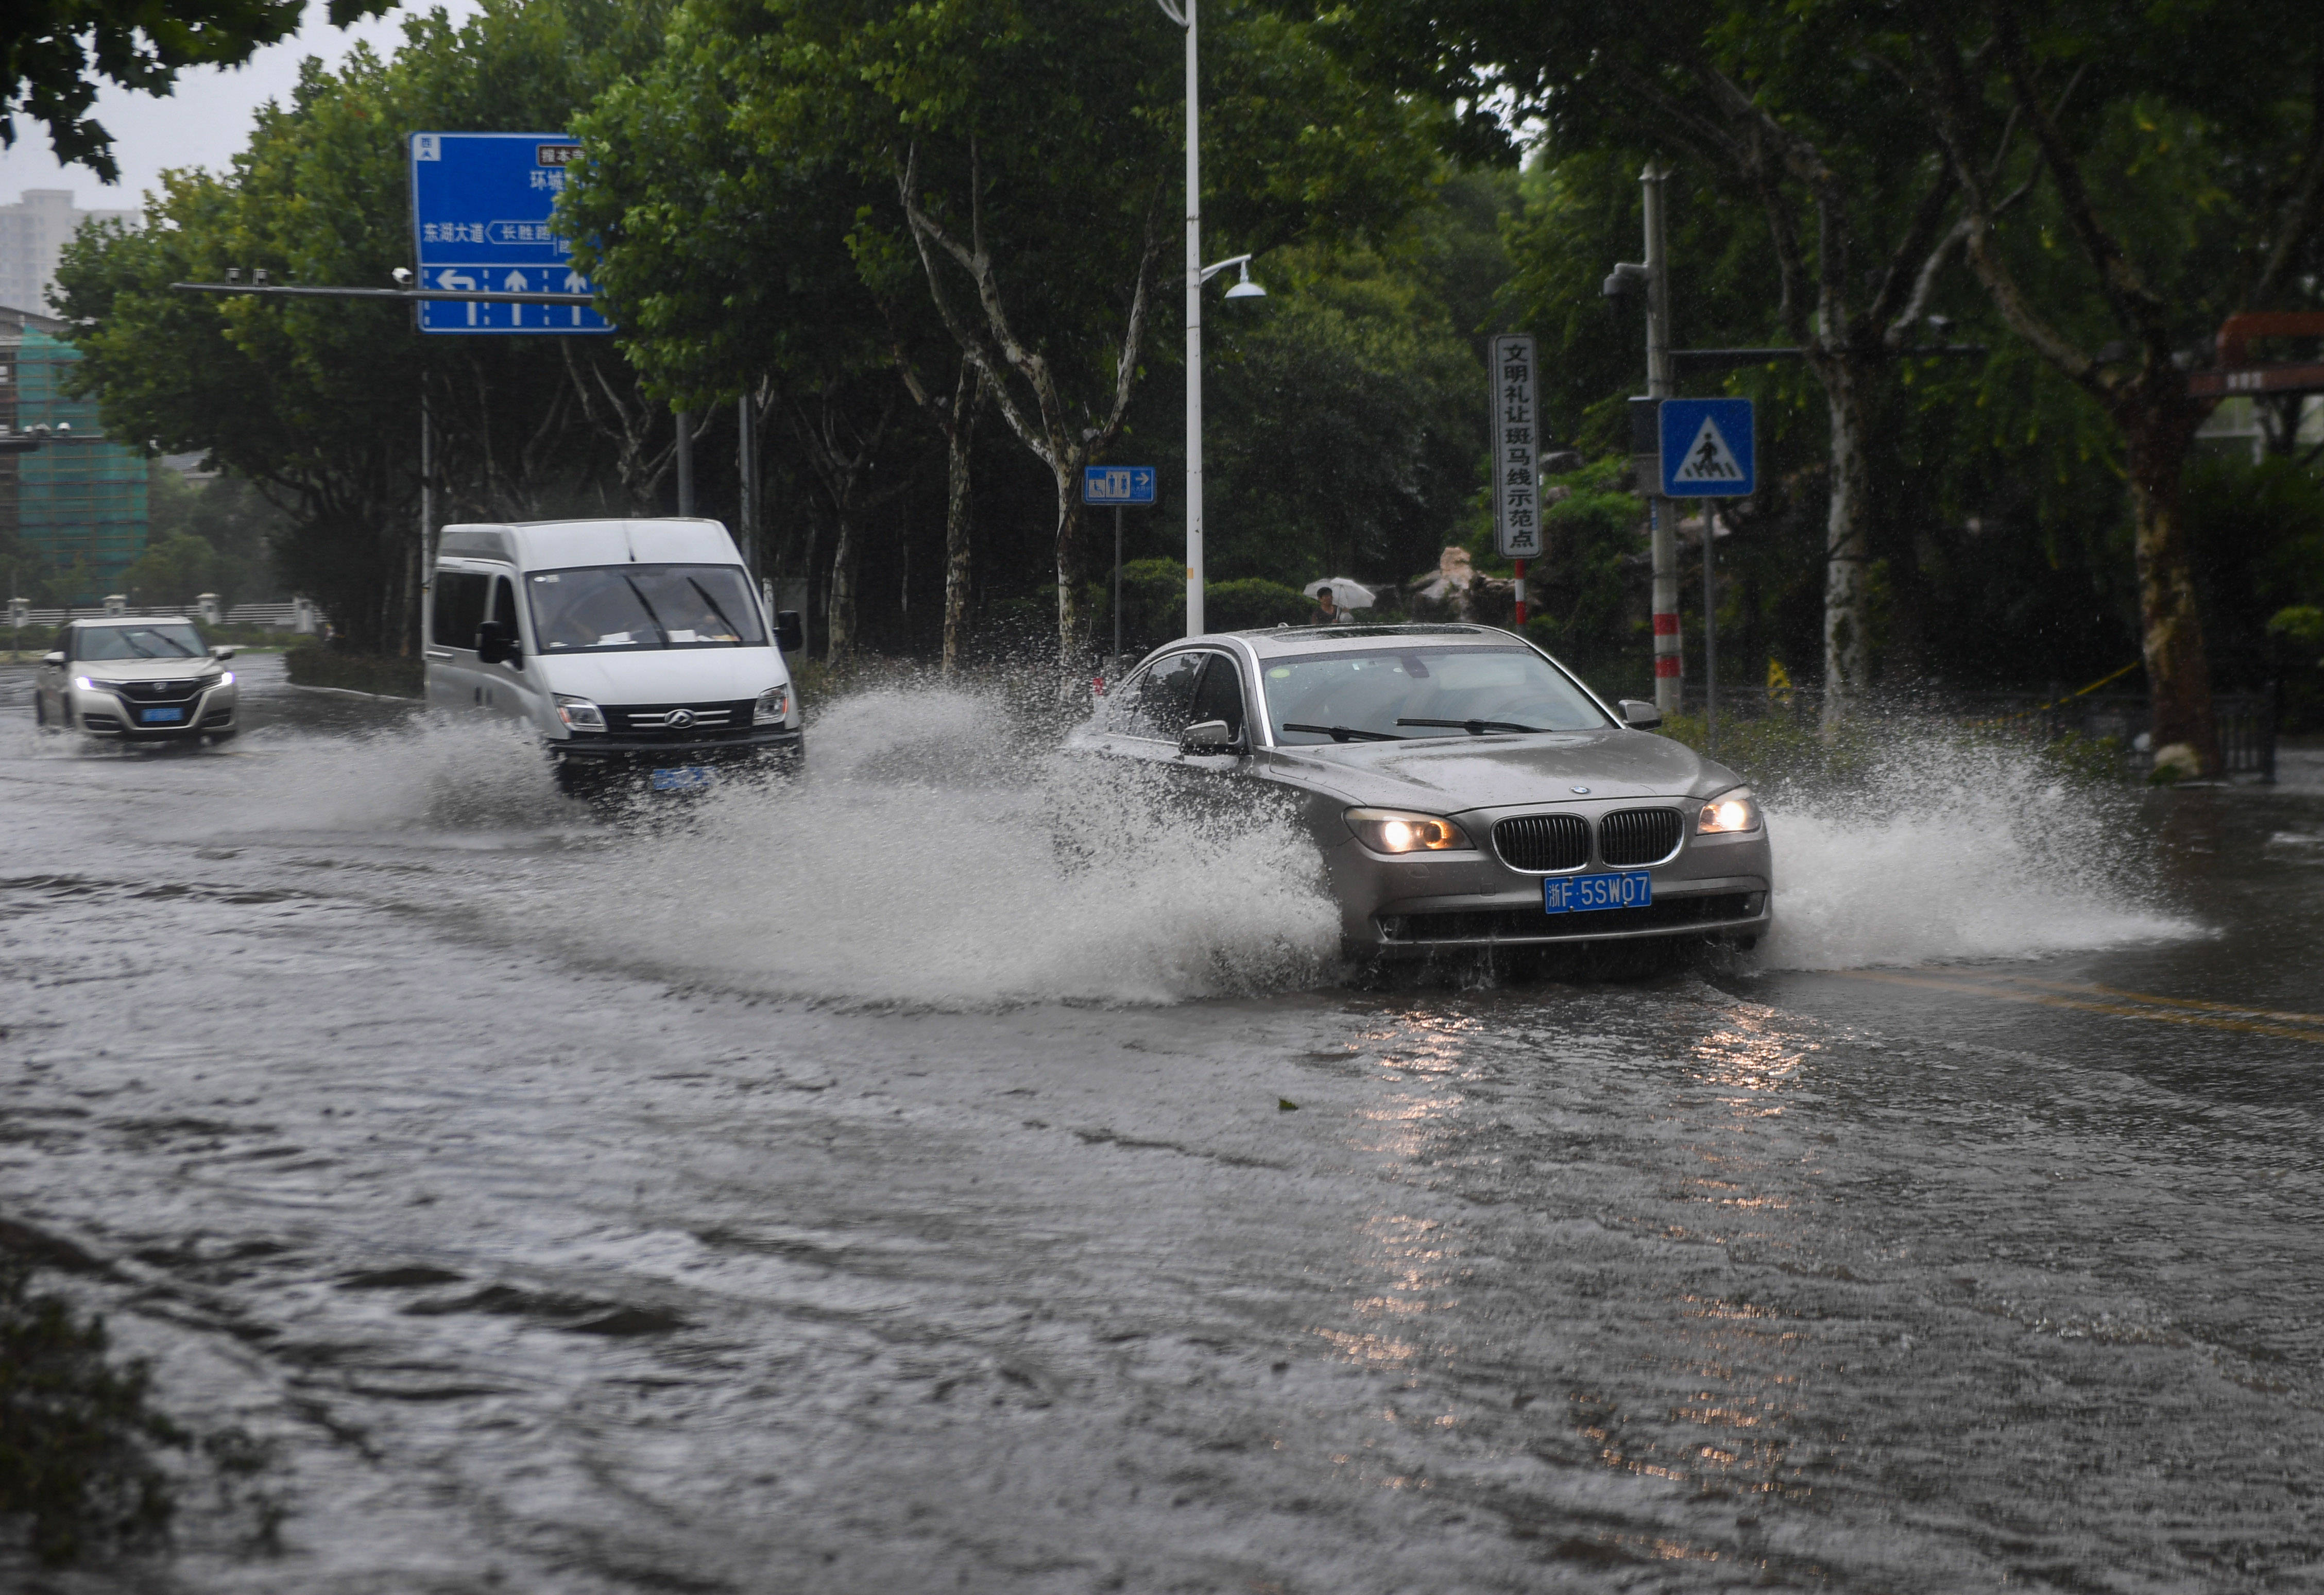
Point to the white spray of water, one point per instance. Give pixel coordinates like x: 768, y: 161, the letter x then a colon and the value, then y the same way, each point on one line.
x: 1954, y: 850
x: 448, y: 776
x: 929, y: 857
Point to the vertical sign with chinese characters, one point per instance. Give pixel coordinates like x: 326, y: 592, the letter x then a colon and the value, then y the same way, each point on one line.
x: 1517, y: 451
x: 480, y: 210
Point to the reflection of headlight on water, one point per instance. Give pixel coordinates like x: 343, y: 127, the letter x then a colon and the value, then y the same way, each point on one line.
x: 1730, y: 811
x: 1393, y: 830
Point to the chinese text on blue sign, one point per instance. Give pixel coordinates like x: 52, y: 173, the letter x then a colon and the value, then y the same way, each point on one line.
x: 480, y: 209
x: 1708, y: 449
x: 1517, y: 457
x: 1117, y: 485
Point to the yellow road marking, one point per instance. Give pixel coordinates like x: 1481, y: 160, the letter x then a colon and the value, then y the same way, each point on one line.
x: 2257, y: 1013
x: 2118, y: 1011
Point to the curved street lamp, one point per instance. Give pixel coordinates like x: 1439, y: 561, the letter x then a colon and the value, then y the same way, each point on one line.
x: 1181, y: 12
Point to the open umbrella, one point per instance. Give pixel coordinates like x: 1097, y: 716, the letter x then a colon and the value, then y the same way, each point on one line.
x: 1345, y: 594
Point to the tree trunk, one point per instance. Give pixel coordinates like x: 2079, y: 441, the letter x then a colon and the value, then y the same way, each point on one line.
x: 2178, y: 667
x: 960, y: 437
x: 839, y: 616
x: 1073, y: 625
x: 1847, y: 592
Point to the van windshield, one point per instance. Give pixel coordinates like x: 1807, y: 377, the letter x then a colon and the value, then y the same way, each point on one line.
x: 606, y: 607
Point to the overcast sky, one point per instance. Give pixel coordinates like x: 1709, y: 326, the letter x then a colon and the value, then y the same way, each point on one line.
x: 204, y: 124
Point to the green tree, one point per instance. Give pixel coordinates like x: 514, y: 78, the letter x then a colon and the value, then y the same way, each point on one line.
x: 58, y: 52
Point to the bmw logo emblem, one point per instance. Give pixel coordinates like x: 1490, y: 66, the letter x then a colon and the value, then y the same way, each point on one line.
x: 680, y: 718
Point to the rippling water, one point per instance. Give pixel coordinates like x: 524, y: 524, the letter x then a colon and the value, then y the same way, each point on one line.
x: 363, y: 1060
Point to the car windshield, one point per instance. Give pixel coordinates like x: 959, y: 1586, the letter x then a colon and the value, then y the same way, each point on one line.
x: 1396, y: 693
x: 176, y: 640
x: 628, y: 607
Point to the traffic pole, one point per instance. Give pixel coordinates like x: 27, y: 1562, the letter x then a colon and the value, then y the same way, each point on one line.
x: 1521, y: 594
x: 685, y: 462
x: 1710, y: 627
x: 1115, y: 663
x: 1669, y: 660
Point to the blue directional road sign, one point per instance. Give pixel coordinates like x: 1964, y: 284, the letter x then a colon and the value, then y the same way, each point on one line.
x: 1708, y: 450
x: 480, y: 209
x: 1117, y: 485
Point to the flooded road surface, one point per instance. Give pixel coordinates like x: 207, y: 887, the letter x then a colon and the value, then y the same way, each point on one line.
x: 580, y: 1208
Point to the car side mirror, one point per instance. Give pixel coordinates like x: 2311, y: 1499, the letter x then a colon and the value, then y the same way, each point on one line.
x: 53, y: 659
x: 1640, y: 716
x: 224, y: 654
x: 790, y: 631
x: 495, y: 646
x: 1208, y: 736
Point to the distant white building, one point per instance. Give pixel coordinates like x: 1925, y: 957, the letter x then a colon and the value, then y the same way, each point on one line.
x: 32, y: 233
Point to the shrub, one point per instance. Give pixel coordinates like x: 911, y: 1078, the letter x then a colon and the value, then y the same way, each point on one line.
x: 74, y: 1432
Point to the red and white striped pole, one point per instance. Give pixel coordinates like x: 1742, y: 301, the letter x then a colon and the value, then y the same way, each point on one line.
x: 1521, y: 595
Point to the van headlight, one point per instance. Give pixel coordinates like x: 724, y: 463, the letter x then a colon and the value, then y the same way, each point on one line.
x: 1393, y: 829
x: 1732, y: 810
x: 579, y: 713
x: 773, y: 708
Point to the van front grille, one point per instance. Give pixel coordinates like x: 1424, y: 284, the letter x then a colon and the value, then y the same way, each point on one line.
x: 1542, y: 842
x: 1639, y: 835
x: 685, y: 721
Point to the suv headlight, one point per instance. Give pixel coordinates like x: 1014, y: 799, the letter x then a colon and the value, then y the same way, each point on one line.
x: 774, y: 706
x: 1734, y: 809
x: 1393, y: 829
x: 579, y: 713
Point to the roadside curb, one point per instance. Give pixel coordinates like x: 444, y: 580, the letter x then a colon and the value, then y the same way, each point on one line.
x: 377, y: 697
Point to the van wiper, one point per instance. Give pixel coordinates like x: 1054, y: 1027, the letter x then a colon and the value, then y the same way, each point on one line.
x: 1347, y: 733
x: 732, y: 629
x: 1473, y: 727
x: 645, y: 604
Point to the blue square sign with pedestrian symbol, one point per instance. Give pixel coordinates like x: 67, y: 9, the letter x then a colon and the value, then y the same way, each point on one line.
x: 480, y: 210
x: 1708, y: 449
x: 1117, y: 485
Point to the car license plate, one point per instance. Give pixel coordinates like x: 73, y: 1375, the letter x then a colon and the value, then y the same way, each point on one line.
x: 690, y: 777
x: 1576, y: 894
x: 159, y: 717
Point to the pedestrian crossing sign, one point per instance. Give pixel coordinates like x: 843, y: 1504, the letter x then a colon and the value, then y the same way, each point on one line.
x: 1708, y: 449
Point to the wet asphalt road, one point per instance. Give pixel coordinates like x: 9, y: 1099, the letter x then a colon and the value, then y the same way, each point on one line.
x: 576, y: 1208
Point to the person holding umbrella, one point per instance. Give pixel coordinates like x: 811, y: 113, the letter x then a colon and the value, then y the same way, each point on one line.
x: 1336, y: 600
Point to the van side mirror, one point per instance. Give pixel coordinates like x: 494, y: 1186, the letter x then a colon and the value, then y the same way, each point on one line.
x: 495, y: 646
x: 224, y: 654
x: 53, y: 658
x: 1640, y: 716
x: 1208, y: 736
x: 790, y: 632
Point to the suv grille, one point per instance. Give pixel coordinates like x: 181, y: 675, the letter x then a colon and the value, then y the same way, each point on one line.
x: 155, y: 692
x: 694, y: 721
x: 1639, y: 835
x: 1543, y: 842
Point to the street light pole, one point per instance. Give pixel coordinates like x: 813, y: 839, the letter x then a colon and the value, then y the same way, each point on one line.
x: 1181, y: 12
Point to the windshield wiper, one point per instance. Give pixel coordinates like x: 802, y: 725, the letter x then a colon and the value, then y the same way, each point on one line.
x: 1473, y: 727
x: 732, y: 629
x: 1345, y: 733
x: 648, y: 608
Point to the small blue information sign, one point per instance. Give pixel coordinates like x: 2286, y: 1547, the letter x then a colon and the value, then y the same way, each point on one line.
x: 480, y: 209
x: 1708, y: 449
x: 1117, y: 485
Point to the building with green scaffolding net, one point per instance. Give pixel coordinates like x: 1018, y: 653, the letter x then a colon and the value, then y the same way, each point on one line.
x: 79, y: 500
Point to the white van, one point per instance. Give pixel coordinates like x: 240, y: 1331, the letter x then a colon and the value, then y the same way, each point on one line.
x: 638, y: 649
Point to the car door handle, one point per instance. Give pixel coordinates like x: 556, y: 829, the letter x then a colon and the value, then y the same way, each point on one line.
x: 438, y: 653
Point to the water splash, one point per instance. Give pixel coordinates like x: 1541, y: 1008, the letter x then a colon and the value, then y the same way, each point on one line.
x: 1950, y: 849
x: 936, y: 855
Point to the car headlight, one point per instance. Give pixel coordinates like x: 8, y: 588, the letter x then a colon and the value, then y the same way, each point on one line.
x: 1393, y: 829
x: 223, y: 678
x: 774, y: 706
x: 88, y: 684
x: 579, y: 713
x: 1732, y: 810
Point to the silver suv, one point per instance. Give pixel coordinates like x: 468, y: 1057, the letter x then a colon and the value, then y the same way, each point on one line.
x: 136, y: 679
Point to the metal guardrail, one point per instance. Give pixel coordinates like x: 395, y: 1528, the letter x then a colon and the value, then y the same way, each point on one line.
x: 2247, y: 721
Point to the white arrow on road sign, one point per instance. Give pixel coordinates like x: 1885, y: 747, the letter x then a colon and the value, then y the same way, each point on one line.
x: 1708, y: 457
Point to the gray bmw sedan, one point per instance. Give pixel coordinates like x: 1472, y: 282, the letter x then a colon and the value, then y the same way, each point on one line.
x: 1465, y: 788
